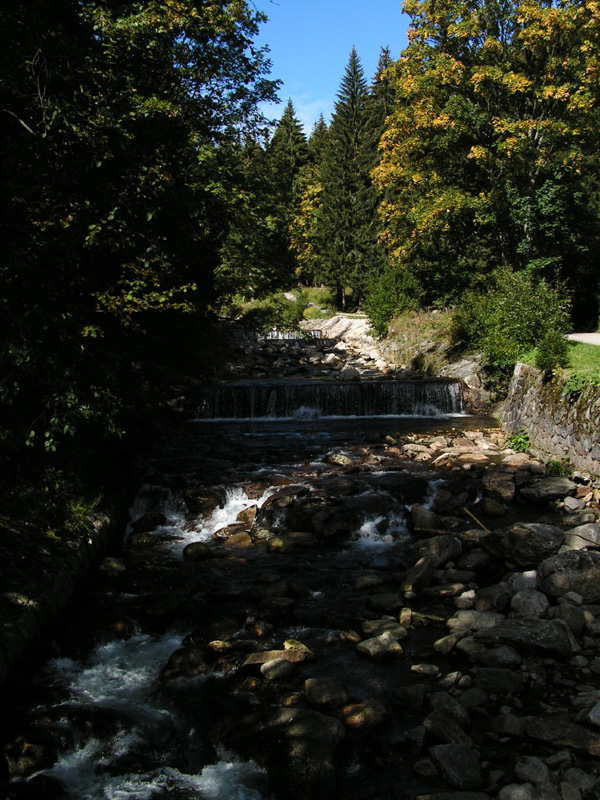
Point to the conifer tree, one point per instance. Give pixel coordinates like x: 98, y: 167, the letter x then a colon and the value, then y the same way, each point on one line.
x: 345, y: 183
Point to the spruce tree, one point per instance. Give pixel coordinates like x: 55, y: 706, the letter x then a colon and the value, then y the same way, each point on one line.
x: 346, y: 211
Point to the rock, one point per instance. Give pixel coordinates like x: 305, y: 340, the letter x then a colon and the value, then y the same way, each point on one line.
x: 290, y: 542
x: 422, y: 519
x: 459, y: 765
x: 491, y: 507
x: 325, y: 692
x: 530, y: 769
x: 546, y: 636
x: 418, y: 576
x: 454, y: 796
x: 529, y: 603
x: 574, y: 570
x: 387, y: 602
x: 547, y: 489
x: 443, y: 726
x: 492, y: 598
x: 561, y: 732
x: 442, y: 701
x: 148, y: 522
x: 574, y: 617
x: 504, y: 657
x: 196, y: 551
x: 349, y: 374
x: 509, y: 725
x: 339, y: 459
x: 239, y: 539
x: 375, y: 627
x: 526, y: 543
x: 277, y: 669
x: 248, y: 515
x: 188, y: 662
x: 365, y: 715
x: 203, y: 500
x: 470, y: 620
x: 499, y: 485
x: 296, y: 746
x: 516, y: 791
x: 495, y: 680
x: 582, y: 536
x: 380, y: 647
x: 294, y: 656
x: 520, y: 581
x: 440, y: 549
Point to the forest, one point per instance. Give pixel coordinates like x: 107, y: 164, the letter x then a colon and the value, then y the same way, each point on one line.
x: 144, y: 196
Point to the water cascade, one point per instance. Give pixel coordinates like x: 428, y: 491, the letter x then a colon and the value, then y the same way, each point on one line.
x: 253, y: 400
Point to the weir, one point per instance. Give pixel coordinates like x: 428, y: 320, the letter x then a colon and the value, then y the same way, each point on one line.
x: 280, y: 400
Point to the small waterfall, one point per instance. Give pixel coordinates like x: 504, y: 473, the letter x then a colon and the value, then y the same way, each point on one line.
x: 280, y: 400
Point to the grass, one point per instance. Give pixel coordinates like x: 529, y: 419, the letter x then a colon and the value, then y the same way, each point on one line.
x: 584, y: 361
x: 422, y: 339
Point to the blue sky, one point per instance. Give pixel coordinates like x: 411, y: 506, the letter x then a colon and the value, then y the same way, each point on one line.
x: 310, y: 43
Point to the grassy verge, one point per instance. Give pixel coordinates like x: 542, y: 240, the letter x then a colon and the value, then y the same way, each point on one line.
x: 584, y: 362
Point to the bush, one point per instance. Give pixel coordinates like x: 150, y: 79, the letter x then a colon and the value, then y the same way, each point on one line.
x: 552, y: 352
x: 516, y: 314
x: 389, y: 295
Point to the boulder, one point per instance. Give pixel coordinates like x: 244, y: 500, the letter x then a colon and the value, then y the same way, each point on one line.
x: 574, y: 570
x: 582, y: 536
x: 325, y: 692
x: 365, y: 715
x: 546, y: 489
x: 459, y: 765
x: 203, y: 500
x: 440, y: 549
x: 526, y: 544
x: 380, y: 647
x: 541, y: 635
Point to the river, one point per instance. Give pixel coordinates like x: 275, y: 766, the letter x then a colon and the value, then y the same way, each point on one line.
x: 149, y: 693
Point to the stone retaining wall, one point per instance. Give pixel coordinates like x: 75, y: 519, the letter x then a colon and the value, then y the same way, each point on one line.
x: 559, y: 425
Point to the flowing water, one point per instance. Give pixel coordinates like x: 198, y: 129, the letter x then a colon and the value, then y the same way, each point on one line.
x: 104, y: 721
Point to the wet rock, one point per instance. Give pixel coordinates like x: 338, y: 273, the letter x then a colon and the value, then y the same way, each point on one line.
x: 440, y: 549
x: 386, y: 602
x: 495, y: 680
x: 248, y: 515
x: 442, y: 701
x: 530, y: 769
x: 325, y: 693
x: 471, y: 620
x: 296, y: 746
x: 375, y: 627
x: 277, y: 669
x: 294, y: 656
x: 547, y: 489
x: 290, y: 542
x: 188, y: 662
x: 499, y: 485
x: 365, y: 715
x: 148, y: 522
x: 197, y: 551
x: 574, y: 617
x: 380, y: 647
x: 526, y: 544
x: 504, y: 657
x: 459, y: 765
x: 492, y: 598
x: 559, y: 731
x: 203, y: 500
x: 492, y: 507
x: 547, y: 636
x: 575, y: 570
x: 443, y: 727
x: 239, y: 539
x: 339, y: 459
x: 422, y: 520
x: 418, y: 576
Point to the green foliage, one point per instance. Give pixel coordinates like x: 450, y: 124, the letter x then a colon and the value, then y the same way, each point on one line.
x: 516, y: 313
x: 275, y: 312
x: 559, y: 467
x: 389, y: 295
x: 552, y: 352
x: 519, y: 441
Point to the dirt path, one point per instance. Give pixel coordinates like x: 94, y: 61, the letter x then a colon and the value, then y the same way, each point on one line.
x: 587, y: 338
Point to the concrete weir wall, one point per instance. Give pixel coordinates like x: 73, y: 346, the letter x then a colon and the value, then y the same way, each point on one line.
x: 559, y: 425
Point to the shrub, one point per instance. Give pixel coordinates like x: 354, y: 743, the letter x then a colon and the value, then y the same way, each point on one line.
x: 515, y: 314
x: 390, y: 294
x: 519, y: 441
x: 552, y: 352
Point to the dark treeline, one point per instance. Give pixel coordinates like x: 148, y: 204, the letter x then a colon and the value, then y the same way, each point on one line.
x: 142, y: 192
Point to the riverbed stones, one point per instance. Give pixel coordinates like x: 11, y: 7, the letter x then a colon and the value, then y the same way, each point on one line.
x: 575, y: 570
x: 325, y: 693
x: 525, y: 544
x: 546, y: 489
x: 380, y: 647
x: 459, y: 765
x: 549, y: 636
